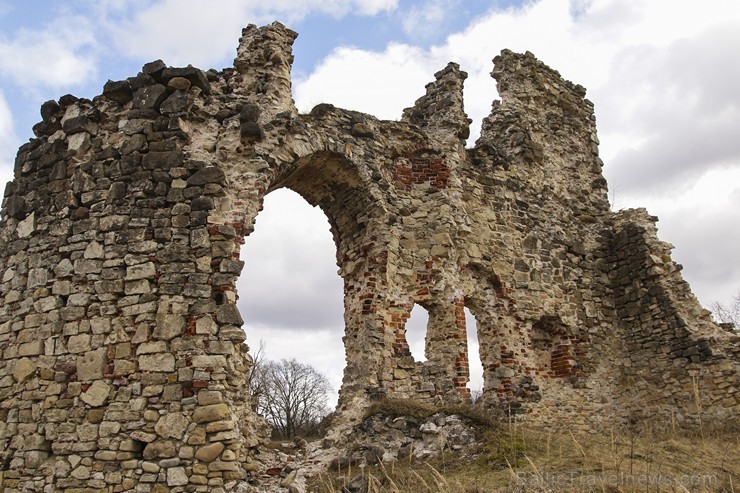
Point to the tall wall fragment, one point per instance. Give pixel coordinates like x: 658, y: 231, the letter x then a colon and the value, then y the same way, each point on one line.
x: 123, y: 356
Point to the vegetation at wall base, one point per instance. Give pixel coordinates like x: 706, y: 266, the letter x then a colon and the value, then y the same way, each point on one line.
x: 509, y: 458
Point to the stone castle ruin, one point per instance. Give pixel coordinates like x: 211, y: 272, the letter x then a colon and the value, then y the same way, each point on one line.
x: 123, y: 355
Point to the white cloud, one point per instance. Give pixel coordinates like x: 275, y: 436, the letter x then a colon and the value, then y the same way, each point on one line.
x: 683, y: 111
x: 374, y: 7
x: 428, y: 18
x: 180, y: 31
x: 8, y: 142
x: 6, y: 121
x: 295, y: 10
x: 381, y: 84
x: 192, y: 31
x: 60, y: 55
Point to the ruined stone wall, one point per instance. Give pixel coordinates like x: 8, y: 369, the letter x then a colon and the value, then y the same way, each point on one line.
x: 123, y: 353
x: 539, y: 207
x: 677, y: 364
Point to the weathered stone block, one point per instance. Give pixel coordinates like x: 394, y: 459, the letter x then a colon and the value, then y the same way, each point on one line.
x: 223, y: 466
x: 97, y: 394
x: 252, y: 131
x: 149, y: 97
x: 209, y: 453
x: 79, y: 343
x: 163, y: 160
x: 24, y: 368
x: 169, y: 326
x: 213, y: 412
x: 47, y: 304
x: 79, y: 124
x: 172, y: 425
x: 140, y: 271
x: 209, y: 361
x: 84, y: 267
x: 207, y: 397
x: 194, y: 75
x: 177, y: 102
x: 206, y: 325
x: 217, y: 426
x: 37, y: 277
x: 157, y: 362
x: 210, y: 174
x: 94, y: 250
x: 152, y: 347
x: 229, y: 314
x: 90, y: 365
x: 178, y: 84
x: 27, y: 226
x: 33, y: 348
x: 110, y: 428
x: 176, y: 476
x: 159, y: 450
x: 118, y: 91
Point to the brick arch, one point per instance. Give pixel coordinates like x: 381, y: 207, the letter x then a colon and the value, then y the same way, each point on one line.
x: 333, y: 182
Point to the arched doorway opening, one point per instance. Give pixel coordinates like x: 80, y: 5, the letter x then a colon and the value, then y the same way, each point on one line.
x: 326, y: 182
x: 290, y: 295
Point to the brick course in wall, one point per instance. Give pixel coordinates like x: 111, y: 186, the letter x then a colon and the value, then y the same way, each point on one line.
x: 123, y: 353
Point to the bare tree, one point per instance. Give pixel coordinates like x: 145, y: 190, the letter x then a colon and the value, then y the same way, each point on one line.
x: 291, y: 395
x: 728, y: 314
x: 256, y: 381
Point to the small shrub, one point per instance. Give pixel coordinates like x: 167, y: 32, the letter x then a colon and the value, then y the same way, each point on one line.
x: 421, y: 410
x: 401, y: 407
x: 500, y: 450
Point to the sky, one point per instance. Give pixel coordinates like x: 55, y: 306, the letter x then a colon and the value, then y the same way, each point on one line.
x: 663, y: 75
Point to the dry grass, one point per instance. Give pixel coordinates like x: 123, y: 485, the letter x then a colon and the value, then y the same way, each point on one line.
x: 512, y: 459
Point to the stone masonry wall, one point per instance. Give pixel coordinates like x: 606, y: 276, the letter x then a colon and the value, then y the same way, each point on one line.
x: 677, y: 362
x: 123, y: 353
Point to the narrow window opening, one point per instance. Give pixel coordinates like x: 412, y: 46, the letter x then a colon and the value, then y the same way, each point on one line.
x: 290, y: 295
x: 475, y: 366
x: 416, y: 332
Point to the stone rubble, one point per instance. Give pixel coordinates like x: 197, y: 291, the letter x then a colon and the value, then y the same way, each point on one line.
x: 124, y: 360
x: 386, y: 438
